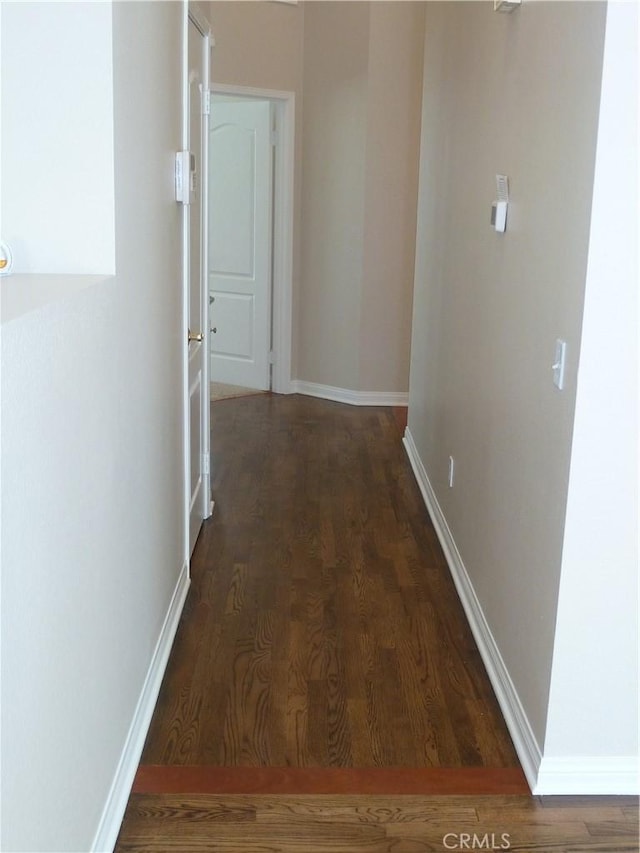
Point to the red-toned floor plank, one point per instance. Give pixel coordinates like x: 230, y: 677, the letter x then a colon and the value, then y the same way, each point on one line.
x: 201, y: 779
x: 400, y: 414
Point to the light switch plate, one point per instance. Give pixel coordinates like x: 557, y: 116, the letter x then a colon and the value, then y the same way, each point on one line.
x: 558, y: 363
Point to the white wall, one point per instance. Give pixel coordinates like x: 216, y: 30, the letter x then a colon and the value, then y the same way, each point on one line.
x: 92, y: 480
x: 57, y: 139
x: 516, y: 94
x: 593, y: 709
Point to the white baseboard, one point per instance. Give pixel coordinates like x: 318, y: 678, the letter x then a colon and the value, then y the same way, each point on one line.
x: 589, y: 775
x: 515, y: 717
x: 353, y: 398
x: 116, y: 804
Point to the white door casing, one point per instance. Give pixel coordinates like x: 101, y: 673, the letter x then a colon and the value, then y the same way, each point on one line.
x: 240, y: 240
x: 197, y: 477
x: 284, y: 106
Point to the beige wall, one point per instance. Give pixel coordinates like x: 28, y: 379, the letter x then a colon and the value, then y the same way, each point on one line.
x: 257, y: 44
x: 362, y: 84
x: 515, y: 94
x: 356, y: 70
x: 336, y: 56
x: 396, y: 41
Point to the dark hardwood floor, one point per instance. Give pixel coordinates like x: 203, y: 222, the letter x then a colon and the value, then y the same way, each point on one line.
x: 324, y: 693
x: 322, y: 628
x: 374, y: 824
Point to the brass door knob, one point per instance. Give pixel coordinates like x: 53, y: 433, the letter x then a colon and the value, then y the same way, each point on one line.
x: 195, y: 336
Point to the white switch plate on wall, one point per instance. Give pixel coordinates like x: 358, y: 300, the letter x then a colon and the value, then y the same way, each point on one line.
x: 558, y: 363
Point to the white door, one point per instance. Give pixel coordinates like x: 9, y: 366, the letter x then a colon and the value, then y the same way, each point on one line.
x: 199, y: 490
x: 240, y: 214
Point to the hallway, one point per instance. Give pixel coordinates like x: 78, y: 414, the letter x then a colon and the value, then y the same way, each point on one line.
x: 324, y: 692
x: 322, y: 628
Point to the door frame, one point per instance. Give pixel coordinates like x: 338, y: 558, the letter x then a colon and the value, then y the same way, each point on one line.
x: 283, y: 204
x: 193, y: 15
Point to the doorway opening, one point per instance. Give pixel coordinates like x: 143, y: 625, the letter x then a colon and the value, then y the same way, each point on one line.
x: 250, y: 237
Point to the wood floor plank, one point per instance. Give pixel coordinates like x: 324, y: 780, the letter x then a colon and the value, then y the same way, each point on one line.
x: 367, y: 824
x: 207, y: 779
x: 325, y: 692
x: 320, y: 532
x: 611, y: 828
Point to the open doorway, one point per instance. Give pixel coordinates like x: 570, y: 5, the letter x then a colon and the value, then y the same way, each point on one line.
x: 250, y: 237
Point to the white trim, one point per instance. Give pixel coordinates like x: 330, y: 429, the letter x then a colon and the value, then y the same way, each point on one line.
x: 589, y: 775
x: 353, y: 398
x: 184, y: 212
x: 113, y: 812
x: 514, y: 714
x: 205, y: 426
x: 193, y: 14
x: 199, y: 18
x: 251, y: 92
x: 282, y: 290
